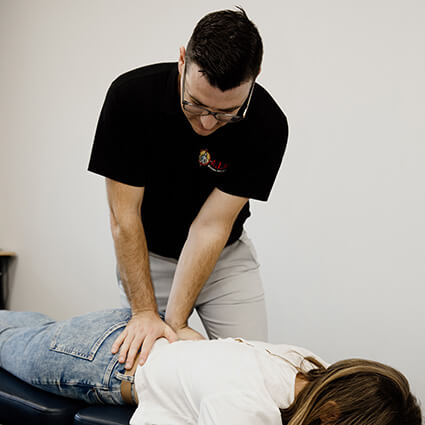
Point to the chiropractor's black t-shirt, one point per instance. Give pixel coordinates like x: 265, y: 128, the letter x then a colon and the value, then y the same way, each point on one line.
x: 144, y: 139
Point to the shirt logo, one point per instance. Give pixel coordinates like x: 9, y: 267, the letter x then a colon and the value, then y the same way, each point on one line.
x: 205, y: 160
x: 204, y: 157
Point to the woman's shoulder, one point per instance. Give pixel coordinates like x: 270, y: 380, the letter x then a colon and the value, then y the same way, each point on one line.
x: 293, y: 354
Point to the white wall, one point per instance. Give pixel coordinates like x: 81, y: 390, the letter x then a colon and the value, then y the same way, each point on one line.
x: 342, y: 240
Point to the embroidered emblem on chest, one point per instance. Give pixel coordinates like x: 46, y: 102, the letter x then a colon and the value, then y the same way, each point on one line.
x: 205, y: 160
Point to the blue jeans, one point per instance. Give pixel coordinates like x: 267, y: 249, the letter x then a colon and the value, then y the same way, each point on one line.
x: 71, y: 358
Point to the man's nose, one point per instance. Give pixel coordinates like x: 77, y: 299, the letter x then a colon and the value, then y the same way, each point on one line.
x: 208, y: 122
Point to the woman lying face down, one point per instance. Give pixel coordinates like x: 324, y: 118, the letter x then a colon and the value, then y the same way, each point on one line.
x: 224, y: 381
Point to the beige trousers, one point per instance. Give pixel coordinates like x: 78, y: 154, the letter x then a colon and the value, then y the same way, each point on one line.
x: 231, y: 303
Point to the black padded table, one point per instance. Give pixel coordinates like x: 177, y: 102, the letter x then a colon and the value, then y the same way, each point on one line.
x: 21, y: 403
x: 109, y: 415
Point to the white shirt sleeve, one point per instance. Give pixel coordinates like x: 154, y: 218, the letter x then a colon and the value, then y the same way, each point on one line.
x: 238, y: 408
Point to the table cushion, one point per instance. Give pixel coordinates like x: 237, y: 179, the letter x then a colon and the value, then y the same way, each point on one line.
x: 104, y: 415
x: 21, y: 403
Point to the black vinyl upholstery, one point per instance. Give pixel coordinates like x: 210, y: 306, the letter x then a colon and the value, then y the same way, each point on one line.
x: 104, y: 415
x: 21, y: 403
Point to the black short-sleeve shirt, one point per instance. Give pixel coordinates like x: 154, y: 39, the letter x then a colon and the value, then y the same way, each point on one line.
x: 144, y: 139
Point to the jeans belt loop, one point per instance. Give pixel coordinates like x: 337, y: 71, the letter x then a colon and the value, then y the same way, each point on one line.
x: 126, y: 386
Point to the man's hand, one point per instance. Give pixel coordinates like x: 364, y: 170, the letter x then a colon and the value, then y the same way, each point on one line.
x: 187, y: 333
x: 143, y: 328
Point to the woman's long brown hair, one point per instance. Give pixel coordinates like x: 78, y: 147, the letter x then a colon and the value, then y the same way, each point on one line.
x: 353, y: 392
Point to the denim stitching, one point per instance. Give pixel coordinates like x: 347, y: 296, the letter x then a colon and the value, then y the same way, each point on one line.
x: 63, y: 349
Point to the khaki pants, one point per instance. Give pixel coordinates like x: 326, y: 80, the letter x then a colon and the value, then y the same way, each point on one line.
x: 231, y: 303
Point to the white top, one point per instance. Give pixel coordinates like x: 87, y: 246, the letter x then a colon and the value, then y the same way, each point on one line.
x: 217, y: 382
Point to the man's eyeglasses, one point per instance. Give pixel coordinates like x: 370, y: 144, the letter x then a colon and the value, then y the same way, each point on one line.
x: 199, y: 110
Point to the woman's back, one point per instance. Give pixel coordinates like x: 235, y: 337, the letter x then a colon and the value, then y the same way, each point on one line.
x: 219, y: 381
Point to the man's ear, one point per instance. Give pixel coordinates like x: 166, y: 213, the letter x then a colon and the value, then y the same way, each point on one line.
x: 182, y: 54
x: 329, y: 413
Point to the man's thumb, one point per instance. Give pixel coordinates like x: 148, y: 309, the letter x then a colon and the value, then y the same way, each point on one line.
x: 170, y: 335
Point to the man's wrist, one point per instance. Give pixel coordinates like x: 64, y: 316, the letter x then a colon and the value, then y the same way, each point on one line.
x: 145, y: 313
x: 176, y: 324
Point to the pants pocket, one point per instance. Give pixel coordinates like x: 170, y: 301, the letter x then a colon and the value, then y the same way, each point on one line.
x: 82, y: 336
x: 248, y: 243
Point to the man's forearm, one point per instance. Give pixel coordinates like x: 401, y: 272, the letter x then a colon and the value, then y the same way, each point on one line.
x: 197, y: 260
x: 133, y: 260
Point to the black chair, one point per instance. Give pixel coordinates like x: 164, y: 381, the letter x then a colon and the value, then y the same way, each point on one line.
x: 21, y: 403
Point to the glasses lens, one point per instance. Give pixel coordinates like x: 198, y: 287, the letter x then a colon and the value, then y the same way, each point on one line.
x: 228, y: 117
x: 199, y: 110
x: 194, y: 109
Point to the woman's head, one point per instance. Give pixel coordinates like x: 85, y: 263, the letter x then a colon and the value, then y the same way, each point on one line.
x: 354, y: 392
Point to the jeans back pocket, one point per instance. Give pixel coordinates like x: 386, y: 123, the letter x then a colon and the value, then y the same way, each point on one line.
x: 82, y: 336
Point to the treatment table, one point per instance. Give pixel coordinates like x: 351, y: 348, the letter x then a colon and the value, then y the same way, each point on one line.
x: 21, y: 403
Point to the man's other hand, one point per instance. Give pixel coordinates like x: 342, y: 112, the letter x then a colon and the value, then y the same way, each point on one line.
x: 143, y: 329
x: 187, y: 333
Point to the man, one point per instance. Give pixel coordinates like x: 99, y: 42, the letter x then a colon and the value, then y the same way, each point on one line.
x: 183, y: 148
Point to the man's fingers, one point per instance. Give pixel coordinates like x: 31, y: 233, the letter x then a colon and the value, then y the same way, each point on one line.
x: 125, y: 347
x: 141, y: 330
x: 132, y: 353
x: 146, y: 348
x: 117, y: 343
